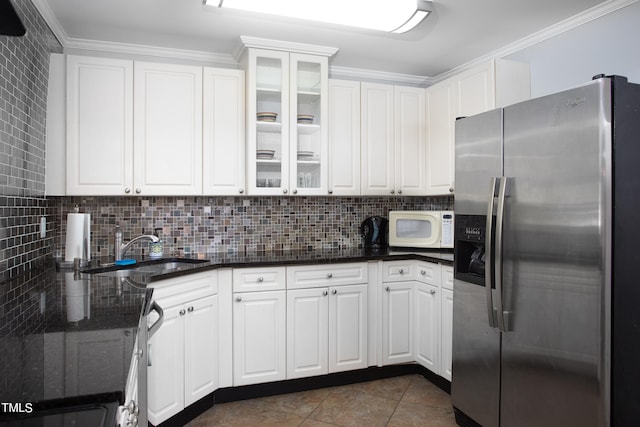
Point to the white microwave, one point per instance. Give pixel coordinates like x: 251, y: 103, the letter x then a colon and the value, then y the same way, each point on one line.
x: 421, y: 229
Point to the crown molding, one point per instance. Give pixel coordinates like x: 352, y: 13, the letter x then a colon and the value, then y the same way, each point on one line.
x: 248, y: 42
x: 542, y: 35
x: 378, y: 76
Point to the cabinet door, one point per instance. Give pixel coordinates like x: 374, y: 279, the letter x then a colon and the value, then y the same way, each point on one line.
x: 267, y: 136
x: 165, y: 374
x: 307, y: 332
x: 99, y: 126
x: 397, y: 322
x: 427, y: 326
x: 440, y: 138
x: 377, y: 135
x: 200, y: 348
x: 223, y: 154
x: 348, y: 330
x: 475, y: 90
x: 410, y: 141
x: 308, y: 143
x: 259, y: 337
x: 446, y: 336
x: 167, y: 129
x: 344, y: 137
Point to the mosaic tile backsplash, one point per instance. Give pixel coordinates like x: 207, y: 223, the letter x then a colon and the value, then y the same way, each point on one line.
x: 24, y: 70
x: 196, y: 226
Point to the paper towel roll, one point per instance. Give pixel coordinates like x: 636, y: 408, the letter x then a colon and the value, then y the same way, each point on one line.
x: 78, y: 237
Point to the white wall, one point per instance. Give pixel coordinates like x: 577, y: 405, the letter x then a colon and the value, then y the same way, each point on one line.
x: 608, y: 45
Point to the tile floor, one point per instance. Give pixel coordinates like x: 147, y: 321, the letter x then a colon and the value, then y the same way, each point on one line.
x: 402, y: 401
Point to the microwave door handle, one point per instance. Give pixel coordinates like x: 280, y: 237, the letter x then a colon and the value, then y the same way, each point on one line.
x: 488, y: 272
x: 498, y: 258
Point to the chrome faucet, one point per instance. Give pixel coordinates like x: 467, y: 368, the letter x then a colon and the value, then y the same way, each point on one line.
x: 122, y: 248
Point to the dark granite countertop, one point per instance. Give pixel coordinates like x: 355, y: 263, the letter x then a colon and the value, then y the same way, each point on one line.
x: 68, y: 339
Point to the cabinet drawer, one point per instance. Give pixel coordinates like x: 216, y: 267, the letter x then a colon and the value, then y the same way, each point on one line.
x: 186, y: 288
x: 428, y: 272
x: 326, y: 275
x: 259, y: 279
x: 447, y: 277
x: 398, y: 271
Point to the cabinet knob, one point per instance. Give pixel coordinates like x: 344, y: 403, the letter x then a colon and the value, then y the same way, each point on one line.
x: 387, y: 289
x: 333, y: 292
x: 190, y: 309
x: 325, y: 293
x: 138, y: 191
x: 295, y: 191
x: 432, y: 292
x: 450, y: 189
x: 399, y: 191
x: 330, y: 191
x: 285, y: 191
x: 401, y: 271
x: 260, y: 279
x: 424, y: 273
x: 393, y: 191
x: 238, y: 299
x: 182, y: 312
x: 127, y: 190
x: 329, y: 275
x: 241, y: 191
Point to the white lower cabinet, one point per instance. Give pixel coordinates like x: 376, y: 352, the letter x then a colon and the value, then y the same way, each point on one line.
x: 427, y: 326
x: 259, y: 337
x: 398, y: 322
x: 446, y: 321
x: 326, y: 330
x: 183, y: 353
x: 182, y: 357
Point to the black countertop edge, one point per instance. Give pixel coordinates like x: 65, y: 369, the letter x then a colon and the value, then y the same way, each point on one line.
x: 270, y: 259
x: 52, y: 406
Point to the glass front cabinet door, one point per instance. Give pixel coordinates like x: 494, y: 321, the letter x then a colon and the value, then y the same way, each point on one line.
x: 287, y: 145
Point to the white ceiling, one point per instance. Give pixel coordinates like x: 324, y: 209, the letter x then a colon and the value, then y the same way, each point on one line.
x: 457, y: 32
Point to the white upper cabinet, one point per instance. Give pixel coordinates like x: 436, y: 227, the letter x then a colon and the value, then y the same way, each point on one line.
x: 287, y: 151
x: 223, y: 154
x: 99, y: 126
x: 344, y: 137
x: 393, y: 140
x: 493, y: 84
x: 410, y: 141
x: 378, y: 175
x: 167, y: 129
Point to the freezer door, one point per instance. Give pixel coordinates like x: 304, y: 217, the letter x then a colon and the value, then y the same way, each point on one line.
x: 475, y: 386
x: 557, y: 162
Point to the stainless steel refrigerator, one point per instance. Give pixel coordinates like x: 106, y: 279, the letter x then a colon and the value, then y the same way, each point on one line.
x: 546, y: 306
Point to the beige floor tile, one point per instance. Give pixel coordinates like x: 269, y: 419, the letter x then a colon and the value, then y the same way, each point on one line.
x: 423, y: 392
x: 245, y: 413
x: 390, y: 388
x: 418, y: 415
x: 301, y: 404
x: 313, y: 423
x: 354, y: 408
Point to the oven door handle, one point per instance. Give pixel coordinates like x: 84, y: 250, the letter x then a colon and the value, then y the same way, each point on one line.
x: 156, y: 325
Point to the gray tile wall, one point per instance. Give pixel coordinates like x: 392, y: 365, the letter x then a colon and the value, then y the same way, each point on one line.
x: 203, y: 225
x: 24, y: 69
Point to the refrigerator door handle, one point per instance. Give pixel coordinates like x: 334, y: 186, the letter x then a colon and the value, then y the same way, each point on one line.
x: 502, y: 193
x: 488, y: 252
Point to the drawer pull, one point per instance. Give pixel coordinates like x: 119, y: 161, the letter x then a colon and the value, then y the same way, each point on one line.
x: 387, y: 289
x: 424, y: 273
x: 260, y: 279
x: 182, y: 312
x: 329, y: 275
x: 325, y: 293
x: 335, y: 291
x: 432, y: 292
x: 238, y: 299
x: 190, y: 309
x: 401, y: 271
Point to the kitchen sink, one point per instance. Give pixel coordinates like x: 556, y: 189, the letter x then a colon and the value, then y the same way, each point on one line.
x: 145, y: 268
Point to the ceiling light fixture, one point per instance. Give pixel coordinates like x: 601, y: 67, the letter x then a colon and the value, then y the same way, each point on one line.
x: 397, y: 16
